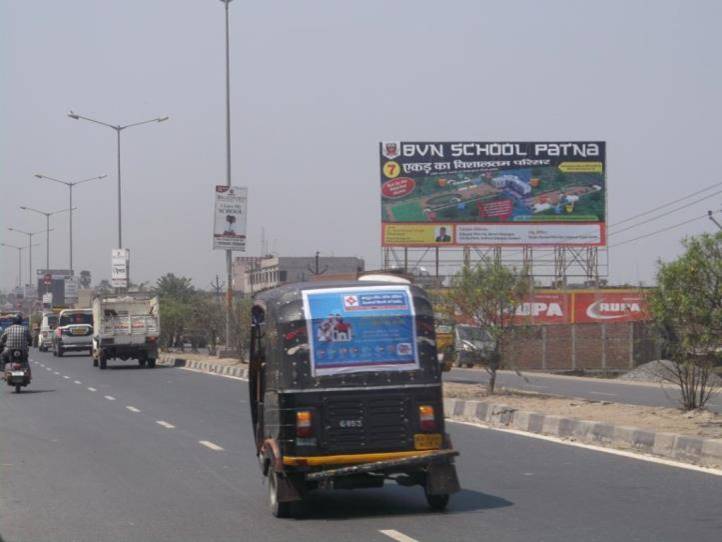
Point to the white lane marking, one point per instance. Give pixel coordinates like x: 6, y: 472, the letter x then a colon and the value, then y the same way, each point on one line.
x: 396, y: 535
x: 132, y: 408
x: 66, y: 377
x: 92, y: 389
x: 77, y: 381
x: 165, y: 424
x: 603, y: 393
x: 211, y: 445
x: 110, y: 398
x: 214, y: 374
x: 613, y: 451
x: 48, y: 369
x: 56, y: 373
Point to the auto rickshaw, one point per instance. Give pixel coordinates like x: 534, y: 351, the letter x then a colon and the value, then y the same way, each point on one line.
x: 345, y: 391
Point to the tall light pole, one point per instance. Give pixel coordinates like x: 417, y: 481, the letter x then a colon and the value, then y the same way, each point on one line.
x: 47, y: 229
x: 30, y: 251
x: 229, y: 253
x: 20, y: 256
x: 70, y: 185
x: 118, y: 128
x: 711, y: 214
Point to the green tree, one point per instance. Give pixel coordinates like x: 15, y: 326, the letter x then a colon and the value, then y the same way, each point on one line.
x: 687, y: 308
x: 85, y: 279
x: 489, y: 294
x: 171, y: 287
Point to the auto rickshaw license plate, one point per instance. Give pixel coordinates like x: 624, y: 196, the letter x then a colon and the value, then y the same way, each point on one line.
x: 427, y: 442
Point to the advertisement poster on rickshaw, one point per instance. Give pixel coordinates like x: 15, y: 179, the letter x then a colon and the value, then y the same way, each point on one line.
x: 361, y: 329
x: 501, y: 193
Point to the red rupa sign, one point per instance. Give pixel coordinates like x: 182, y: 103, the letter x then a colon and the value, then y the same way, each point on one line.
x: 611, y: 306
x: 584, y: 307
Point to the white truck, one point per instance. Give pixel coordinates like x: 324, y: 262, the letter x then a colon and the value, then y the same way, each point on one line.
x: 125, y: 327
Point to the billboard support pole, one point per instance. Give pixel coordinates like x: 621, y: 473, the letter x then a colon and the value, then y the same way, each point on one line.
x: 406, y: 259
x: 467, y: 257
x: 437, y: 262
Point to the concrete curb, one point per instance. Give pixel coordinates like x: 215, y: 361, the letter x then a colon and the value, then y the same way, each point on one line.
x: 204, y: 366
x: 698, y: 450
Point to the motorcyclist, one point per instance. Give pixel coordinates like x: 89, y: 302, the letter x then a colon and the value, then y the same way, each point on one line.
x: 15, y: 337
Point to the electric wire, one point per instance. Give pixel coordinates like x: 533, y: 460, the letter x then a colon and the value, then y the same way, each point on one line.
x: 666, y: 205
x: 663, y: 230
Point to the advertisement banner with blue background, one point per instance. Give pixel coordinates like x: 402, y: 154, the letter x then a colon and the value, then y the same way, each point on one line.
x: 369, y: 328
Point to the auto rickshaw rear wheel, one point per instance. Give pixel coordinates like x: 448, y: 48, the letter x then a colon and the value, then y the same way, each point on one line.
x: 436, y: 502
x: 278, y: 509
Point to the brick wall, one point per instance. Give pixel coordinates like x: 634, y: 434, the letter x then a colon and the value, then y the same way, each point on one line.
x: 590, y: 347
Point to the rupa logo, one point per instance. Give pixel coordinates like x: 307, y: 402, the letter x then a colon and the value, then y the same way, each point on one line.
x: 538, y: 308
x: 601, y: 310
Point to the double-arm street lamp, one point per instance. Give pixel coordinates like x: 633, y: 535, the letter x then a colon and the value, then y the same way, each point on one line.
x: 30, y: 250
x: 20, y: 265
x: 70, y: 185
x: 47, y: 229
x: 118, y: 128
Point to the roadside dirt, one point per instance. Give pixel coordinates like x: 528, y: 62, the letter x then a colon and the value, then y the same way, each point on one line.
x: 700, y: 423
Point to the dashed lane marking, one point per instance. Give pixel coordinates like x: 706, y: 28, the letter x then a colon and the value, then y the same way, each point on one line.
x: 110, y: 398
x: 92, y: 389
x: 211, y: 445
x: 77, y: 381
x: 66, y: 377
x: 396, y: 535
x: 165, y: 424
x: 56, y: 373
x: 132, y: 408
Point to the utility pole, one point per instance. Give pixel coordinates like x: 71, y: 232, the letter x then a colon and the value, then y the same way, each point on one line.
x: 217, y: 287
x: 318, y: 271
x: 710, y: 214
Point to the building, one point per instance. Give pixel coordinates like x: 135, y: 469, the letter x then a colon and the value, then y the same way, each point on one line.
x: 253, y: 274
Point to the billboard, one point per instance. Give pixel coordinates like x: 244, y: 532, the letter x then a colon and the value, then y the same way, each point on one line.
x: 610, y: 306
x: 493, y: 193
x: 369, y: 328
x: 53, y: 281
x: 120, y: 261
x: 229, y: 218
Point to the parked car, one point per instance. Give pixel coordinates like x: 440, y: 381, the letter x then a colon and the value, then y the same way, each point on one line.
x: 74, y: 331
x: 47, y: 328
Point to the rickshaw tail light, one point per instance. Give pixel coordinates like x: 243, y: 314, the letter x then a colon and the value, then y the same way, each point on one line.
x: 304, y: 428
x: 426, y: 418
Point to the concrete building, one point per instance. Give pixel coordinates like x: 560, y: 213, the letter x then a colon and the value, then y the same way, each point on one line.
x: 253, y: 274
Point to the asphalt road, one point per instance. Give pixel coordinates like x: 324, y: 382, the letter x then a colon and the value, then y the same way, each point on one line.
x: 595, y: 389
x: 82, y: 465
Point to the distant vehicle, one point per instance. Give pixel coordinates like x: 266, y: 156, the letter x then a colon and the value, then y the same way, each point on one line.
x: 47, y: 327
x: 126, y: 327
x: 350, y: 399
x: 74, y: 331
x: 472, y: 345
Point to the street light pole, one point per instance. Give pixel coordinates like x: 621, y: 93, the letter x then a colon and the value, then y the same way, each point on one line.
x: 70, y: 185
x: 47, y: 229
x: 229, y: 253
x: 118, y: 128
x: 20, y: 256
x: 710, y: 214
x: 30, y: 250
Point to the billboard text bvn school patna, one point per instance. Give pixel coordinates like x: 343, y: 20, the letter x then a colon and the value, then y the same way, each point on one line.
x: 493, y: 194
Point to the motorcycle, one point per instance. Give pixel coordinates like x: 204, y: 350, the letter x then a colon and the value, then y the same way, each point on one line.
x: 17, y: 371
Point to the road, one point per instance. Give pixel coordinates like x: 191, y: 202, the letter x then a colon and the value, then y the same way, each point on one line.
x: 595, y: 389
x: 85, y: 457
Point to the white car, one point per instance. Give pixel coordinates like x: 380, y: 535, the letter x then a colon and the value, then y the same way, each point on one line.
x: 74, y: 331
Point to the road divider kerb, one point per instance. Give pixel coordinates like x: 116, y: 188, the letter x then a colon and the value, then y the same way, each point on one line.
x: 689, y: 449
x: 236, y: 371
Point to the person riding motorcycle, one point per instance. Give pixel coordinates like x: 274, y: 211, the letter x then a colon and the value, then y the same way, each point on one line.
x: 15, y: 337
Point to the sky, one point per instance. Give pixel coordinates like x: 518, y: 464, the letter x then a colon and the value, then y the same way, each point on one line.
x: 315, y: 85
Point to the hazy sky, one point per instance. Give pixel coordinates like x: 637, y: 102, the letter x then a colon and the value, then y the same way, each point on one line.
x: 315, y: 86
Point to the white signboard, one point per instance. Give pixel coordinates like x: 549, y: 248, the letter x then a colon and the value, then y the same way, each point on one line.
x: 71, y: 288
x: 119, y: 271
x: 229, y: 218
x: 48, y: 299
